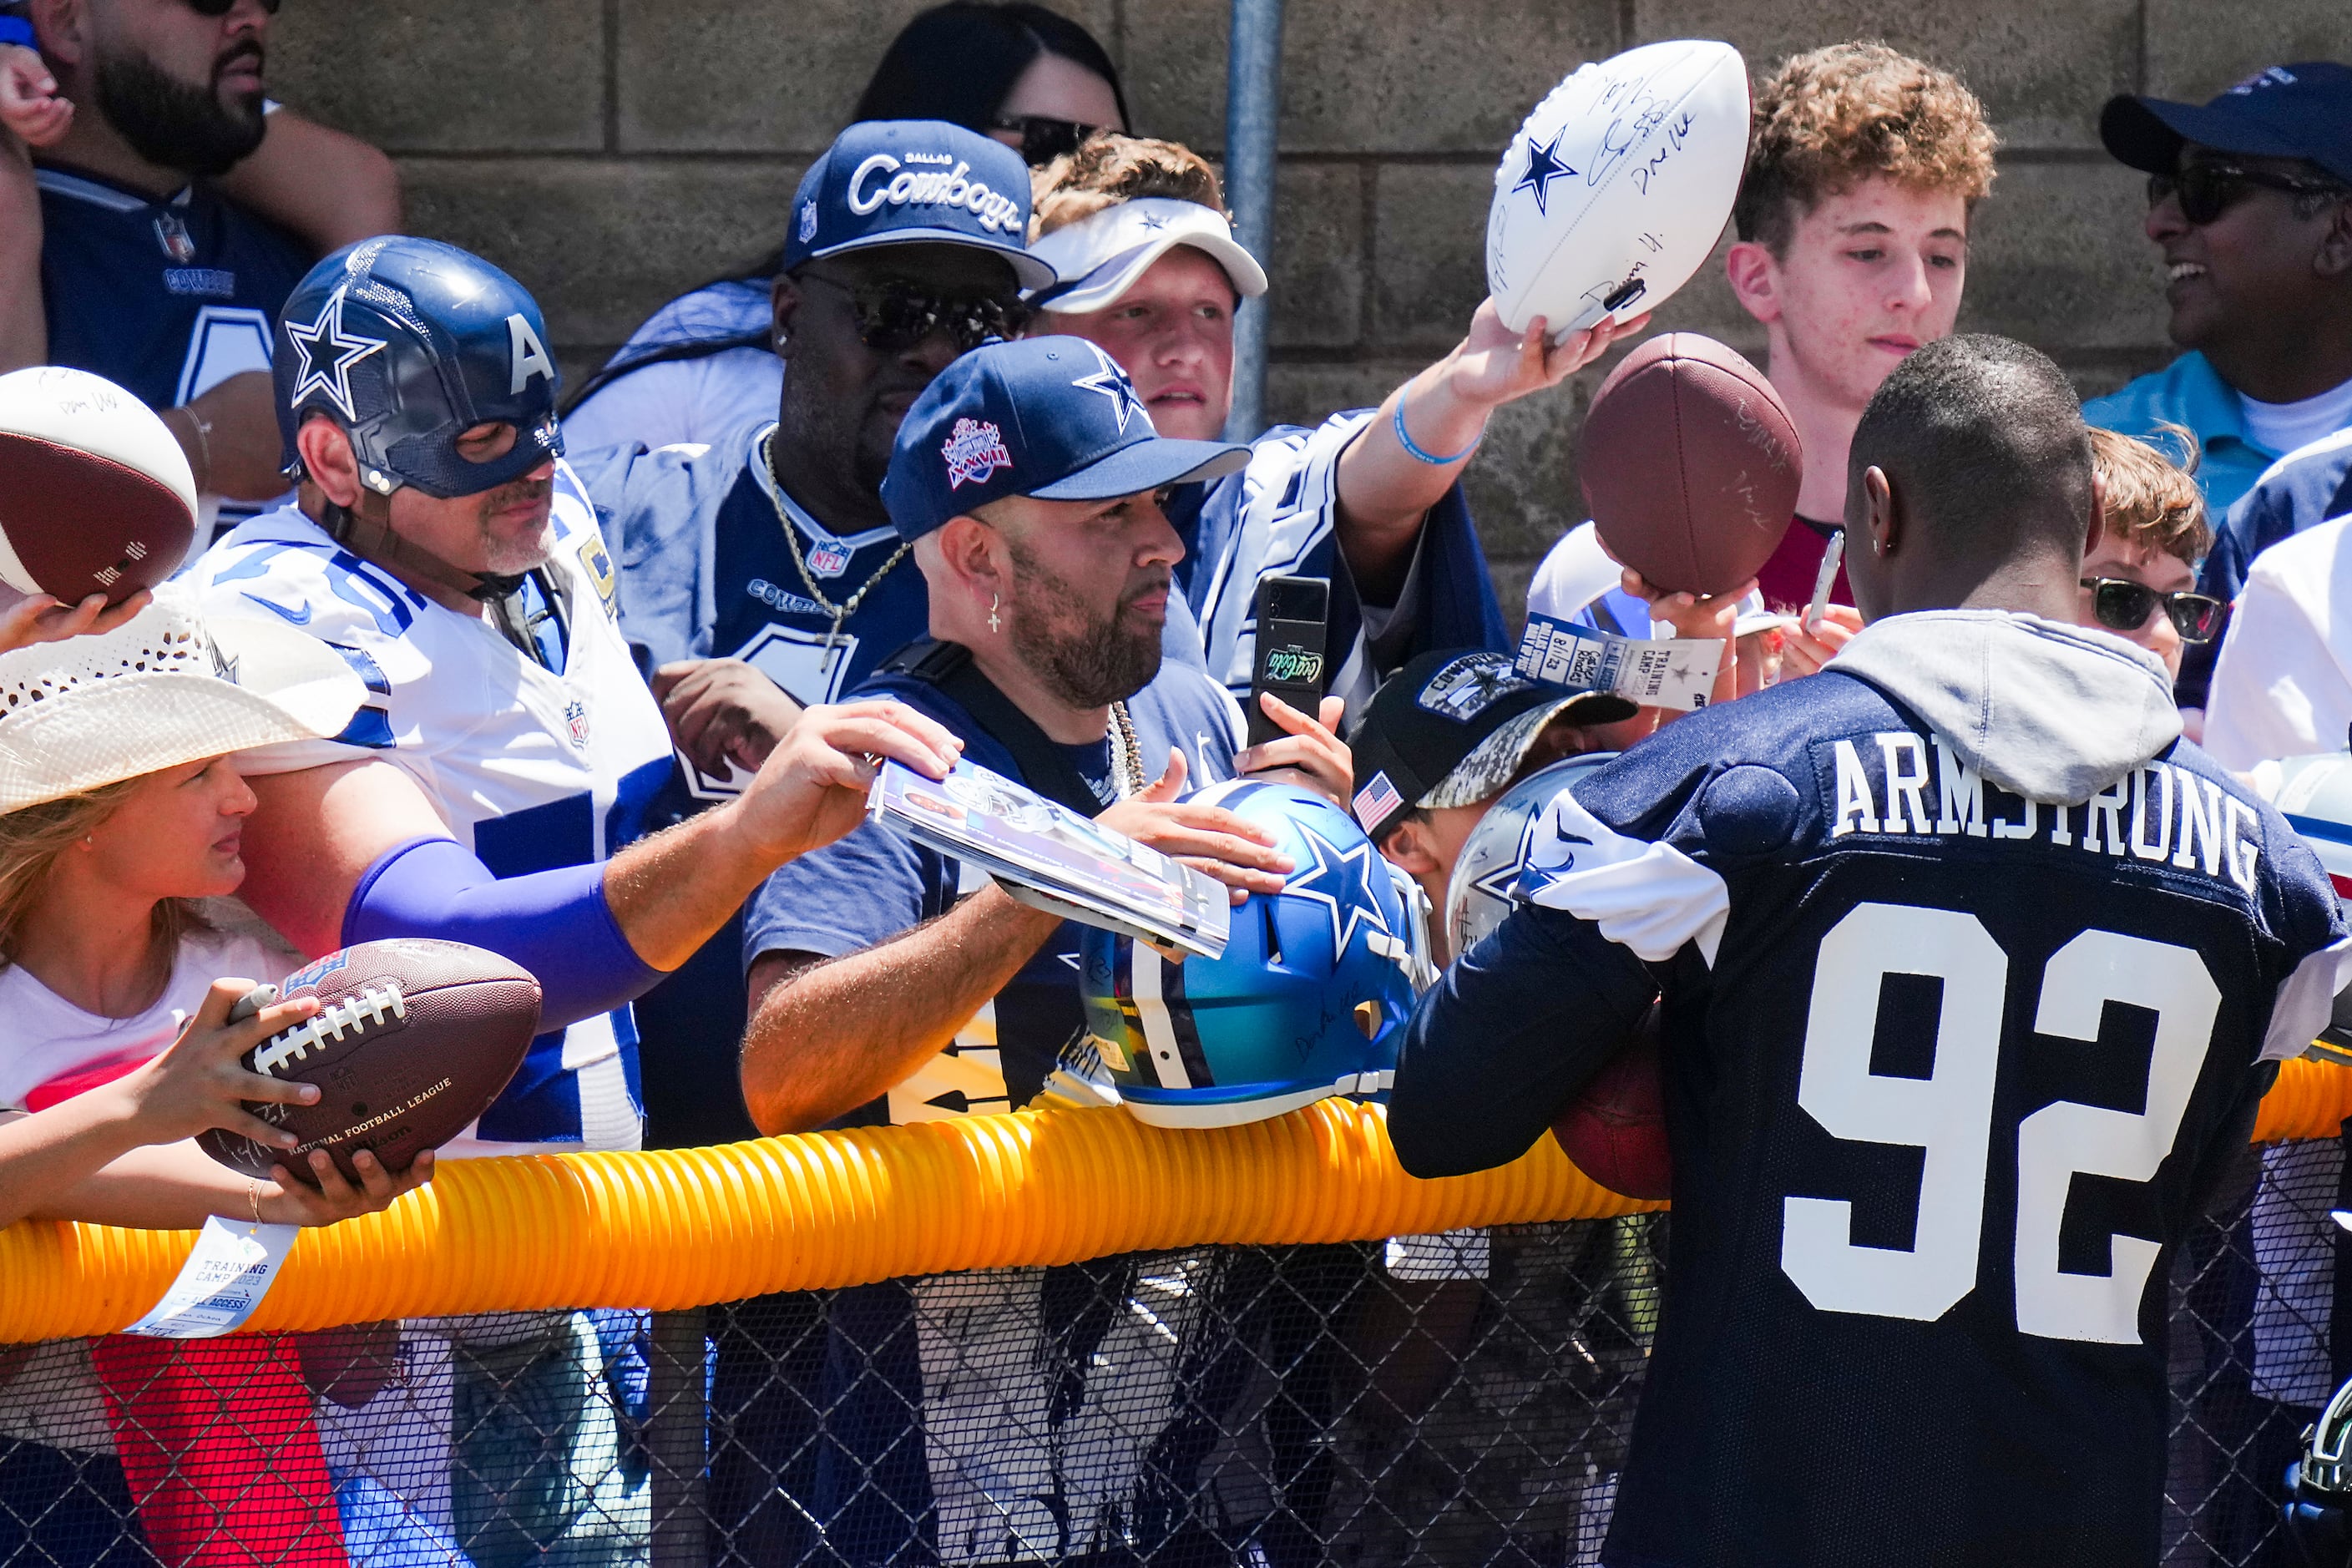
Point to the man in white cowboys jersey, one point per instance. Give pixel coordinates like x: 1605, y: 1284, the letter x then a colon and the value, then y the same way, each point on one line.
x: 493, y: 788
x: 1973, y: 972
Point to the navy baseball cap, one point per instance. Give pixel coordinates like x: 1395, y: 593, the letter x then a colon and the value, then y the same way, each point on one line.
x: 909, y: 182
x: 2300, y: 110
x: 1051, y: 417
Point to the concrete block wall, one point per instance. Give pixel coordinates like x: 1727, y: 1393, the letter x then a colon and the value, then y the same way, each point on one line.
x: 612, y: 153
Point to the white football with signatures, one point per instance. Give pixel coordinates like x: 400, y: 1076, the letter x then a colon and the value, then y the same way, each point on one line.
x: 1615, y: 191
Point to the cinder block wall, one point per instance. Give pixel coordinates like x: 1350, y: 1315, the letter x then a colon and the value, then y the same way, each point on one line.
x: 611, y: 152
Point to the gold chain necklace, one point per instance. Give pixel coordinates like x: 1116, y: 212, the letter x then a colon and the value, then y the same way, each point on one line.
x: 848, y: 607
x: 1127, y: 752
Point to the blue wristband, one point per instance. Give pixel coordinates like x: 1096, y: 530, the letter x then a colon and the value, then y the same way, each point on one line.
x: 19, y: 30
x: 1396, y: 421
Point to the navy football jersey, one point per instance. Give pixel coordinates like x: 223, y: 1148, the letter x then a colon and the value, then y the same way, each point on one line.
x: 168, y: 298
x: 1947, y: 1074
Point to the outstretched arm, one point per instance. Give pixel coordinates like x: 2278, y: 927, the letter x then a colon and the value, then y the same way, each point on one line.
x: 1385, y: 489
x: 330, y: 189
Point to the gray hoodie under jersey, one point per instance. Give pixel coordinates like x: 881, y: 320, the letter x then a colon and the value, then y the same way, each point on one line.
x: 2050, y: 711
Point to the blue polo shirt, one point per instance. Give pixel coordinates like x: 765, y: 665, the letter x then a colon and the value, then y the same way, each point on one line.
x: 2191, y: 394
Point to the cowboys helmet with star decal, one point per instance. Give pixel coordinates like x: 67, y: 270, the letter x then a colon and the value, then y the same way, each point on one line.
x: 1309, y: 999
x: 1486, y: 883
x: 407, y: 343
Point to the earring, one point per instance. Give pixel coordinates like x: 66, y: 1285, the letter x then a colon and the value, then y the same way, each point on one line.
x: 993, y: 623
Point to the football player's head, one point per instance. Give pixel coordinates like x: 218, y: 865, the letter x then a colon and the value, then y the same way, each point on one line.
x: 1029, y: 477
x: 1862, y: 169
x: 906, y: 247
x: 416, y: 392
x: 1970, y: 483
x: 1148, y: 267
x: 179, y: 80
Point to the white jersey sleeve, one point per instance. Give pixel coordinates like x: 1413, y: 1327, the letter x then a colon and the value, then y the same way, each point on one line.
x: 2283, y: 687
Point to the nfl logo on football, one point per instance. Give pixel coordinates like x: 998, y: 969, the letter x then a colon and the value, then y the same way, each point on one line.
x: 975, y: 449
x: 828, y: 558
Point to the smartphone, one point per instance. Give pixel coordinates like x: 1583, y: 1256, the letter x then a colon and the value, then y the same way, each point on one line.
x: 1293, y: 617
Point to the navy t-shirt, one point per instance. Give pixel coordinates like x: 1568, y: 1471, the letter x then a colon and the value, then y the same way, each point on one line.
x: 874, y: 884
x: 168, y: 298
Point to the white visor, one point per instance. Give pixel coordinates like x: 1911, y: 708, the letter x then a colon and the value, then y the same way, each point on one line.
x: 1098, y: 257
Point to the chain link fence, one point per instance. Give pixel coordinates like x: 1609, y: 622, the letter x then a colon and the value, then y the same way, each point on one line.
x: 1462, y: 1399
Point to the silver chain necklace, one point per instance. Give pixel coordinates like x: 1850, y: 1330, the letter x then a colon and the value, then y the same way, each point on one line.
x: 848, y: 607
x: 1126, y: 752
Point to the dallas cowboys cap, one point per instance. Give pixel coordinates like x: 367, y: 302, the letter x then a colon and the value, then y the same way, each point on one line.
x: 915, y: 182
x: 2300, y: 110
x: 1452, y: 728
x: 1051, y: 417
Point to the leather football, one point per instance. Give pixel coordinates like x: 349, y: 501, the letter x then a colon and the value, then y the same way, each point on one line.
x: 1615, y: 1128
x: 411, y: 1041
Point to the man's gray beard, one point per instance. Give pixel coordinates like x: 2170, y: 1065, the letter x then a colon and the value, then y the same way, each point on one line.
x: 171, y: 123
x: 1093, y: 666
x: 507, y: 557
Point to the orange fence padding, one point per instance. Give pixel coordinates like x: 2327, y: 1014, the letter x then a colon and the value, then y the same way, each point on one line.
x: 690, y: 1227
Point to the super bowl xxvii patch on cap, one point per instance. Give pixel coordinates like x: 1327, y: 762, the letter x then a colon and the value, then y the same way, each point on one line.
x: 915, y: 182
x: 1051, y: 417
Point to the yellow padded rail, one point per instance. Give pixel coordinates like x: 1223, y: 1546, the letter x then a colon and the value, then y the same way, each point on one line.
x: 689, y: 1227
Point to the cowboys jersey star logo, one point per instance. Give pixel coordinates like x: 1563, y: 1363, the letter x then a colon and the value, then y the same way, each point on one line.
x: 1112, y: 383
x: 1544, y: 167
x: 328, y: 355
x: 1349, y: 872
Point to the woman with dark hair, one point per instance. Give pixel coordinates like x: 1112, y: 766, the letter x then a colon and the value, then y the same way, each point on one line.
x: 705, y: 363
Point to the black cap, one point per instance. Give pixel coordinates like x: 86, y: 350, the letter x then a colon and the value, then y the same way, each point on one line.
x: 1452, y: 727
x: 2301, y: 111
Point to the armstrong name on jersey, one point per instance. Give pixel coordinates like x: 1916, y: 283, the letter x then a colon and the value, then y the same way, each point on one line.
x: 1948, y: 1068
x: 533, y: 766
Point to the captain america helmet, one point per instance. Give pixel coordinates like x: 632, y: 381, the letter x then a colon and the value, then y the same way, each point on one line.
x: 1310, y: 999
x: 406, y: 345
x: 1484, y: 884
x: 2315, y: 795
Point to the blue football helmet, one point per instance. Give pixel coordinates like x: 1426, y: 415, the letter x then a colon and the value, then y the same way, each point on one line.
x: 1309, y: 1000
x: 407, y: 343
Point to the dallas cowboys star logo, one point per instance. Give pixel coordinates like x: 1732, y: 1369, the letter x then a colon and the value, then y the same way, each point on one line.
x: 1341, y: 874
x: 328, y: 355
x: 1112, y: 383
x: 1544, y: 167
x: 1153, y: 221
x: 1502, y: 883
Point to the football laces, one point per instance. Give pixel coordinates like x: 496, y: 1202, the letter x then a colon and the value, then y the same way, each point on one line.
x: 352, y: 1015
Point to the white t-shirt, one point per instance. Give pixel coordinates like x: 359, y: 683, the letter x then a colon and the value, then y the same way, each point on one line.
x: 2283, y: 685
x: 48, y: 1039
x: 2284, y: 427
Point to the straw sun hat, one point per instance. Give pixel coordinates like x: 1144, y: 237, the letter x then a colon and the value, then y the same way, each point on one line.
x: 166, y: 687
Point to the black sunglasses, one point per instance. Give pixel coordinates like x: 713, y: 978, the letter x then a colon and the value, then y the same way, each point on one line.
x: 222, y: 8
x: 2123, y: 605
x: 2209, y: 190
x: 1043, y: 140
x: 893, y: 317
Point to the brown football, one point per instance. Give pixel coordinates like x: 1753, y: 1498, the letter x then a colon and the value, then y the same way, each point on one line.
x: 1615, y: 1128
x: 1690, y: 465
x: 412, y: 1040
x: 95, y: 494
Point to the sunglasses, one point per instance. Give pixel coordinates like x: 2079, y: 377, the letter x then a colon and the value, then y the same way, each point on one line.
x: 2122, y: 605
x: 1043, y: 140
x: 222, y: 8
x: 2209, y: 190
x: 893, y: 317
